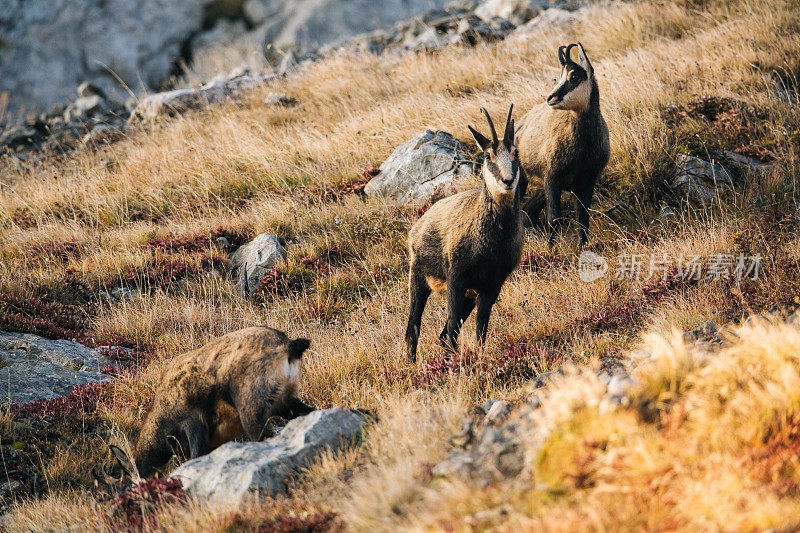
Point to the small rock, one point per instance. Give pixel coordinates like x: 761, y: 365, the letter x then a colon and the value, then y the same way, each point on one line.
x: 430, y: 39
x: 259, y: 11
x: 475, y: 30
x: 498, y: 410
x: 84, y: 108
x: 619, y: 384
x: 102, y: 133
x: 516, y: 11
x: 222, y: 243
x: 707, y: 333
x: 124, y: 293
x: 741, y: 163
x: 153, y: 106
x: 9, y: 485
x: 548, y: 21
x: 667, y: 215
x: 250, y: 262
x: 544, y: 379
x: 88, y: 89
x: 280, y: 100
x: 458, y: 463
x: 699, y: 180
x: 19, y: 135
x: 236, y: 469
x: 432, y: 161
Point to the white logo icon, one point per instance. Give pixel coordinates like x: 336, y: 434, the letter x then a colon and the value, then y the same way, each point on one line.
x: 591, y: 266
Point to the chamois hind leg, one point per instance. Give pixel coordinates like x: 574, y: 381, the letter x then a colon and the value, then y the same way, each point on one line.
x: 533, y: 209
x: 295, y: 407
x: 455, y: 308
x: 256, y: 405
x: 485, y: 303
x: 419, y: 292
x: 469, y: 305
x: 583, y: 202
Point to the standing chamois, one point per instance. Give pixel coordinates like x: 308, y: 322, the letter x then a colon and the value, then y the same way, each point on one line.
x: 564, y: 144
x: 224, y: 390
x: 468, y: 243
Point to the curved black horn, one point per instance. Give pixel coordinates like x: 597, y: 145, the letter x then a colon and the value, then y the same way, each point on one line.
x: 567, y: 58
x: 508, y: 134
x: 103, y: 478
x: 495, y: 140
x: 561, y: 58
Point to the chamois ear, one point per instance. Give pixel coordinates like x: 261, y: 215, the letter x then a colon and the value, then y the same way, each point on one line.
x: 583, y: 60
x: 483, y: 142
x: 297, y: 347
x: 124, y: 461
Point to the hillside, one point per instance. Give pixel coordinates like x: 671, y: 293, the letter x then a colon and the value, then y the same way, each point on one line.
x: 699, y: 430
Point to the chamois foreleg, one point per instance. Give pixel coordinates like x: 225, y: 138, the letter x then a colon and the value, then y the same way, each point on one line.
x: 553, y: 197
x: 455, y: 310
x: 197, y: 436
x: 485, y: 302
x: 583, y: 202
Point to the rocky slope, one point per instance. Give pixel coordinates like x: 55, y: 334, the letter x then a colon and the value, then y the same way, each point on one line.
x: 112, y: 77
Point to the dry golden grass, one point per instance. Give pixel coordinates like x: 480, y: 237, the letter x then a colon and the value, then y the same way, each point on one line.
x: 257, y: 168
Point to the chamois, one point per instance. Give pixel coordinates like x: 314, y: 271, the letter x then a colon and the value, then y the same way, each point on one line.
x: 468, y: 243
x: 226, y: 389
x: 564, y: 144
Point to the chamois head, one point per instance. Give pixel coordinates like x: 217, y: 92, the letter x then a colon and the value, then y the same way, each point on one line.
x: 574, y: 89
x: 500, y: 169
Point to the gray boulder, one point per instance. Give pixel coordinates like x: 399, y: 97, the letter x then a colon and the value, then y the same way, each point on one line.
x: 517, y: 11
x: 700, y: 180
x: 237, y: 469
x: 548, y: 21
x: 250, y: 262
x: 417, y: 169
x: 50, y: 47
x: 741, y: 163
x: 35, y: 368
x: 306, y: 25
x: 178, y: 101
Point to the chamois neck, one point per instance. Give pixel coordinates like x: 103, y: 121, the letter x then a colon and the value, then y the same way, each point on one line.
x: 499, y: 210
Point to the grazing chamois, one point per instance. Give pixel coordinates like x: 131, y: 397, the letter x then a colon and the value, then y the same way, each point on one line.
x: 564, y: 144
x: 226, y: 389
x: 469, y: 243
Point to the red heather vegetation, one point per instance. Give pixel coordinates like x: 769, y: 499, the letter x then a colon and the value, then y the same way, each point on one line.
x: 134, y: 508
x: 52, y: 320
x: 196, y: 242
x: 163, y: 273
x: 615, y: 315
x: 63, y: 250
x: 81, y: 401
x: 515, y: 359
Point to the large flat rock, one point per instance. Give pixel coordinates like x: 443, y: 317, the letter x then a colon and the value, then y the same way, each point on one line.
x: 237, y: 469
x: 35, y: 368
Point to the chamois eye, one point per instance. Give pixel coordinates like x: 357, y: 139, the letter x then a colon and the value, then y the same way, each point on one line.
x: 574, y: 77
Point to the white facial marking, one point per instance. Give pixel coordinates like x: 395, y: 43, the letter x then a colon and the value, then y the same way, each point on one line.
x: 578, y: 98
x: 292, y: 371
